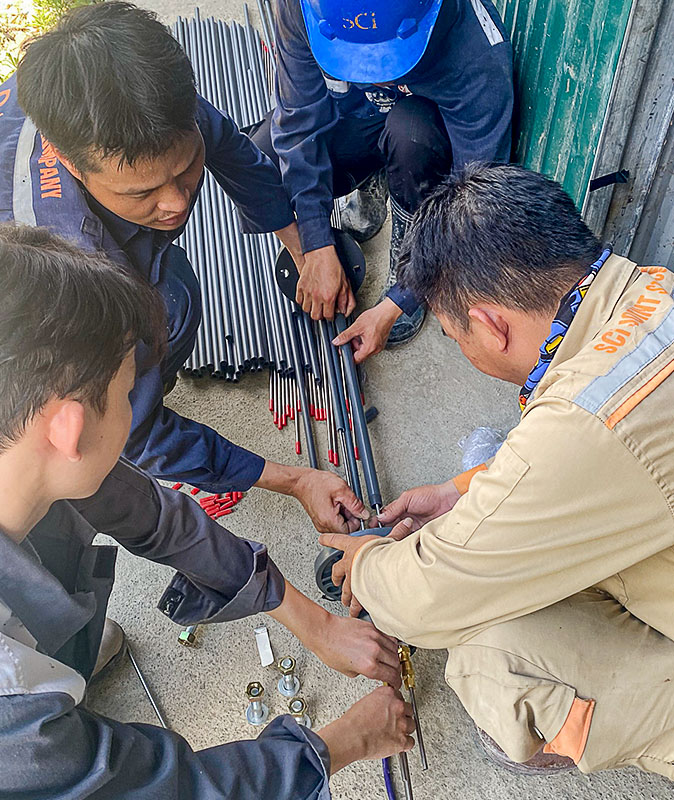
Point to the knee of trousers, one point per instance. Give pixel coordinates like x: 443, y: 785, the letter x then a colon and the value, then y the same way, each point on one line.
x: 519, y: 679
x: 416, y: 148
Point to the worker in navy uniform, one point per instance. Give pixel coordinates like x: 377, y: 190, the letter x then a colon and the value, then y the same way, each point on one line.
x: 406, y: 89
x: 109, y: 152
x: 70, y: 323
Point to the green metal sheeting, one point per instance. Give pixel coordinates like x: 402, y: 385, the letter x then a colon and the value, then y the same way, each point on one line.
x: 566, y: 52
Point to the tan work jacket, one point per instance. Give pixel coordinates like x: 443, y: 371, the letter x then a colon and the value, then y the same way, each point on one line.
x: 580, y: 494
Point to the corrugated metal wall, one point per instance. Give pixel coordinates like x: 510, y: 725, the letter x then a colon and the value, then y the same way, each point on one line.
x: 566, y: 53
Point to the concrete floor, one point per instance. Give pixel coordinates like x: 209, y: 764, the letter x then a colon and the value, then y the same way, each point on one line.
x: 428, y: 397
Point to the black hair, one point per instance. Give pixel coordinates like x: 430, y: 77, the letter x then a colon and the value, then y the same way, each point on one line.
x: 108, y: 80
x: 67, y: 321
x: 496, y: 233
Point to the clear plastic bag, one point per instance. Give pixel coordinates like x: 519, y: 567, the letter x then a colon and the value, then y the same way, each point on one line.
x: 479, y: 445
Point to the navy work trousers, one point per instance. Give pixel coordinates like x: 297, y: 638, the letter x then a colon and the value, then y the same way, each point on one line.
x: 410, y: 141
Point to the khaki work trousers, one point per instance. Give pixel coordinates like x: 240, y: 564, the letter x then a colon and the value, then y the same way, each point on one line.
x: 521, y: 677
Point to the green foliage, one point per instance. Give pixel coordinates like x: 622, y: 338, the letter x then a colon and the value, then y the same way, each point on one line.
x: 47, y: 12
x: 17, y: 23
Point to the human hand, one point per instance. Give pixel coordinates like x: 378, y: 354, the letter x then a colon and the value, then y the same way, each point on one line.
x: 355, y: 647
x: 421, y: 505
x: 377, y: 726
x: 329, y: 501
x: 323, y: 288
x: 350, y: 545
x: 369, y: 332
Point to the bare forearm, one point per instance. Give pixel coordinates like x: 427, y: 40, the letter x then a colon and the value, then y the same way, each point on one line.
x: 300, y: 615
x: 280, y: 478
x: 290, y: 237
x: 344, y: 744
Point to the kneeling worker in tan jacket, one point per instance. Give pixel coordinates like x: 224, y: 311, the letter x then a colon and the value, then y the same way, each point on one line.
x: 549, y: 574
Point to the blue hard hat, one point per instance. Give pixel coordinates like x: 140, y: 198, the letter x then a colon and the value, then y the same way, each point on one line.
x: 369, y: 41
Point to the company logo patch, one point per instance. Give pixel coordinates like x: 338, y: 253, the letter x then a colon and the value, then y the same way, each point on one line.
x: 631, y: 318
x: 50, y: 180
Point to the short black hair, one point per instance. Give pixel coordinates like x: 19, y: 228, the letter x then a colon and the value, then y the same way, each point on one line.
x: 67, y: 321
x: 108, y: 80
x: 496, y: 233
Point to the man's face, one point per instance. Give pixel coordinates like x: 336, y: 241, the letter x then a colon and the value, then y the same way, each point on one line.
x: 481, y: 348
x: 155, y: 193
x: 104, y: 436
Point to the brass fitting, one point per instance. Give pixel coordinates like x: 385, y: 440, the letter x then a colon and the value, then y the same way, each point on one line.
x: 406, y: 667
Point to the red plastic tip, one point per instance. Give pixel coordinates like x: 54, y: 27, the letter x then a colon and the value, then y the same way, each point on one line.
x: 357, y: 456
x: 177, y: 486
x: 194, y: 491
x: 312, y: 410
x: 292, y: 413
x: 336, y: 461
x: 210, y: 497
x: 275, y: 417
x: 227, y: 496
x: 331, y: 456
x: 238, y: 496
x: 223, y: 513
x: 298, y: 448
x: 271, y: 405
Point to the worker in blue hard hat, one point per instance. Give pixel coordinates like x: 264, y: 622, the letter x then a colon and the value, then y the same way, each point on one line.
x: 378, y: 97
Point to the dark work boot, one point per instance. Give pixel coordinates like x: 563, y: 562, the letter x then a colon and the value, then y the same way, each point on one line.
x: 406, y: 327
x: 363, y: 212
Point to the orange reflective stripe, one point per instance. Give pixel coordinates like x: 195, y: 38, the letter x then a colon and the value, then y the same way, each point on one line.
x: 572, y: 738
x: 463, y: 479
x: 643, y: 391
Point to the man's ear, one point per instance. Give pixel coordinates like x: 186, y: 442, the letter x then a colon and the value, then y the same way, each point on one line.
x: 69, y: 166
x: 493, y: 324
x: 65, y: 425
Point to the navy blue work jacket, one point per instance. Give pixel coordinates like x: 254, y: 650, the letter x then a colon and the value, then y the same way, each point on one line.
x: 36, y: 189
x: 466, y: 70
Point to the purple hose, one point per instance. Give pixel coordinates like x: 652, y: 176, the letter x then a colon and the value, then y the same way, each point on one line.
x: 386, y: 767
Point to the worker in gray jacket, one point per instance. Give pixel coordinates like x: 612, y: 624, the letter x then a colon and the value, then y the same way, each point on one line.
x: 69, y: 326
